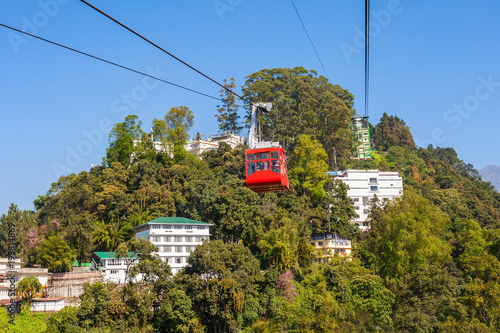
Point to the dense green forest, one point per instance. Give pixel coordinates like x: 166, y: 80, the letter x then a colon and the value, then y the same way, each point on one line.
x: 431, y: 262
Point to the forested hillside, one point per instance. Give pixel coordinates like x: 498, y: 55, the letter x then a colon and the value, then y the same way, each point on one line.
x: 431, y: 262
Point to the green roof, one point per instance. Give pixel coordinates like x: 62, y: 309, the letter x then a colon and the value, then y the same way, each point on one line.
x: 111, y: 255
x: 173, y: 220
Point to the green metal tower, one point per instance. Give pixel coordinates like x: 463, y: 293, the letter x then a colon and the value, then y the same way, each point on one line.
x: 361, y: 132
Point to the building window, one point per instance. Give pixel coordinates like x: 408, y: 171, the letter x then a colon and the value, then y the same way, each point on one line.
x: 178, y: 260
x: 365, y: 211
x: 167, y: 249
x: 320, y: 243
x: 373, y: 188
x: 178, y: 249
x: 356, y: 199
x: 114, y: 271
x: 188, y: 227
x: 201, y: 227
x: 156, y: 226
x: 166, y: 226
x: 373, y: 180
x: 189, y: 249
x: 114, y: 262
x: 168, y: 238
x: 189, y: 239
x: 199, y: 239
x: 178, y: 239
x: 356, y: 207
x: 177, y: 226
x: 156, y: 239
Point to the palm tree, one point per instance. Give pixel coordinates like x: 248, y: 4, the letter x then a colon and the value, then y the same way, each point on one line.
x: 28, y: 287
x: 101, y: 237
x: 107, y: 237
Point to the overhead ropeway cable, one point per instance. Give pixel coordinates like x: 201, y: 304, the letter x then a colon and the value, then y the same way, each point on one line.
x: 310, y: 40
x: 165, y: 51
x: 111, y: 63
x: 367, y: 54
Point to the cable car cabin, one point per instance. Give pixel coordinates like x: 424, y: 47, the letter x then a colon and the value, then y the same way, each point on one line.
x: 266, y: 169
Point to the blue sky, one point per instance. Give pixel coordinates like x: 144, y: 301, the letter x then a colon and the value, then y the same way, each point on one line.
x: 434, y: 64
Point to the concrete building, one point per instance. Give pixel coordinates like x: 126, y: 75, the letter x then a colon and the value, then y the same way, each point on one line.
x: 175, y: 237
x: 112, y: 269
x: 360, y: 129
x: 13, y: 272
x: 49, y: 304
x: 364, y: 185
x: 328, y: 244
x: 198, y: 147
x: 232, y: 140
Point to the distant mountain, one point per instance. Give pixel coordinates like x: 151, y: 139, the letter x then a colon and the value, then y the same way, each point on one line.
x: 491, y: 173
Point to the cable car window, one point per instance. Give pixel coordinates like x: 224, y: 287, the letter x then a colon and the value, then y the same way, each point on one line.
x: 275, y: 154
x: 262, y: 166
x: 263, y: 156
x: 250, y: 168
x: 250, y: 157
x: 275, y: 166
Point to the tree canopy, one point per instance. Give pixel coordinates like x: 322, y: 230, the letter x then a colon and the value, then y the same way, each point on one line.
x: 429, y: 263
x: 303, y: 103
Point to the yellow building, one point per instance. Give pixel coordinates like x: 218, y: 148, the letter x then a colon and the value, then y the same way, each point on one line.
x: 327, y: 244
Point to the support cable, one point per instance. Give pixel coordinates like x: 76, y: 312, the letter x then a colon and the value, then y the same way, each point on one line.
x: 310, y: 40
x: 110, y: 62
x: 165, y: 51
x: 367, y: 54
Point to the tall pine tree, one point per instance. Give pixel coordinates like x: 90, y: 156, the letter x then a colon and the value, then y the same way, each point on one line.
x: 228, y: 111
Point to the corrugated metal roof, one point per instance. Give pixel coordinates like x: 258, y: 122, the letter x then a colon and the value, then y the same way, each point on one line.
x: 111, y: 255
x: 173, y: 220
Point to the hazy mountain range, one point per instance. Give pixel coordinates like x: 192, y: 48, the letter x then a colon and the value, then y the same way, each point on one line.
x: 491, y: 173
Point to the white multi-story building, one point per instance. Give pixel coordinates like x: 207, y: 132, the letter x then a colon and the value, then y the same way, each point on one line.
x: 364, y: 185
x: 197, y: 147
x: 232, y: 140
x: 175, y: 237
x: 13, y: 272
x: 113, y: 269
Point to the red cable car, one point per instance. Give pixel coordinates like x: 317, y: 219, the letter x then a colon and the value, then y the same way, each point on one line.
x: 265, y: 162
x: 266, y: 169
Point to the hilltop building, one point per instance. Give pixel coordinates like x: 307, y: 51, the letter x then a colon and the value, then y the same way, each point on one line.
x: 13, y: 271
x: 175, y: 237
x: 198, y: 147
x: 361, y: 131
x: 112, y: 269
x: 328, y: 244
x: 364, y: 185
